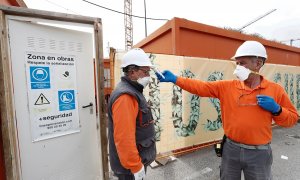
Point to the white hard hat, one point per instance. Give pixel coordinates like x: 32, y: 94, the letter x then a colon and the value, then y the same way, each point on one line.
x: 137, y: 57
x: 251, y: 48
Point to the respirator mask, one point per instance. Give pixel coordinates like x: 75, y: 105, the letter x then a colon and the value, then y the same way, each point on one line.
x: 242, y: 73
x: 144, y: 81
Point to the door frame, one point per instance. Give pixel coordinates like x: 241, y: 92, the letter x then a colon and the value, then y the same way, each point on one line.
x: 7, y: 109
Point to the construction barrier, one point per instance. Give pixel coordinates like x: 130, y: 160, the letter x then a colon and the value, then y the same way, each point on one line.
x: 183, y: 119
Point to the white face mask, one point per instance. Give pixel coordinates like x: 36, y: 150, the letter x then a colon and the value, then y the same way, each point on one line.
x: 241, y: 72
x: 144, y: 81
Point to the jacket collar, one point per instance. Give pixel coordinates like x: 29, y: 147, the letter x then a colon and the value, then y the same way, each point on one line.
x: 135, y: 84
x: 263, y: 84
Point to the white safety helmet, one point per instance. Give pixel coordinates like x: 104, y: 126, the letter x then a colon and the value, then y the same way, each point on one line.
x: 251, y: 48
x: 137, y: 57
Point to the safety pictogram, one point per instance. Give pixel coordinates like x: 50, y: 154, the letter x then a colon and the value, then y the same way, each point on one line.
x: 41, y: 100
x: 39, y: 77
x: 66, y: 100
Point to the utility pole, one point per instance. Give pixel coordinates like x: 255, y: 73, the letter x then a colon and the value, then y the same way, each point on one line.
x: 128, y: 24
x: 292, y: 40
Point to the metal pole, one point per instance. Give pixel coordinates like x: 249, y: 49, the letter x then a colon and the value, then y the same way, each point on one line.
x: 145, y: 18
x: 291, y: 42
x: 256, y: 19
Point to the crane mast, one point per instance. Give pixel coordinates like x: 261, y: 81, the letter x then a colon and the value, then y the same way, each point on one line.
x: 128, y: 24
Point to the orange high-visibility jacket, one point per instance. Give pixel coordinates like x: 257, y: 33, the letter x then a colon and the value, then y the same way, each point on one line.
x: 244, y: 122
x: 125, y: 110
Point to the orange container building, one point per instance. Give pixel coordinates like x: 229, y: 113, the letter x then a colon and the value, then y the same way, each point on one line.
x: 182, y: 37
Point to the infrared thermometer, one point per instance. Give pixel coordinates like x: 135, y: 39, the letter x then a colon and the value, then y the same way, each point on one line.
x: 158, y: 72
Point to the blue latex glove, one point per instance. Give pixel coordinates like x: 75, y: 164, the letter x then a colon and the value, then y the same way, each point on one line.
x: 169, y: 77
x: 267, y: 103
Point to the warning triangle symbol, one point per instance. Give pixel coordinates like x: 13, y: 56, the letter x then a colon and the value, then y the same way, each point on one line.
x: 41, y: 100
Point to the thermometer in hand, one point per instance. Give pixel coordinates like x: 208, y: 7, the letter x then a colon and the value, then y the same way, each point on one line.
x: 158, y: 72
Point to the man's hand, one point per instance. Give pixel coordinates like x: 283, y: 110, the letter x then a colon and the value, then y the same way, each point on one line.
x: 169, y: 77
x: 268, y: 103
x: 140, y: 174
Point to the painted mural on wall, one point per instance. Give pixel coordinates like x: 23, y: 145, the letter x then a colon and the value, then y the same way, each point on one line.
x: 154, y: 102
x: 288, y: 80
x: 181, y: 128
x: 183, y: 119
x: 214, y: 125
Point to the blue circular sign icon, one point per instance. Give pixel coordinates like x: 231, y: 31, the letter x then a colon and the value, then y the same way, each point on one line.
x: 39, y: 74
x: 66, y: 97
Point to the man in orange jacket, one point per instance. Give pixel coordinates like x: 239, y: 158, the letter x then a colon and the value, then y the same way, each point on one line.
x: 131, y: 127
x: 248, y: 106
